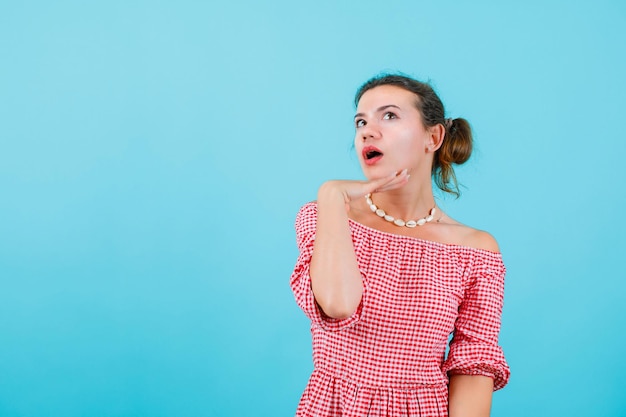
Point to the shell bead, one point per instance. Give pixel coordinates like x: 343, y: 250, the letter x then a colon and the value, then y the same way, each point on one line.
x: 399, y: 222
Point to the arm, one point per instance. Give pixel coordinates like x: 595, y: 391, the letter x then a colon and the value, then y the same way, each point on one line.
x: 476, y: 365
x: 470, y: 396
x: 335, y: 277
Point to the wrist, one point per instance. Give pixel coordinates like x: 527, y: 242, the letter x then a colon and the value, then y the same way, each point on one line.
x: 330, y: 191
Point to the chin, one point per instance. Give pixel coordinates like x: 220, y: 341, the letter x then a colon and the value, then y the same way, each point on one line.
x: 374, y: 174
x: 377, y: 176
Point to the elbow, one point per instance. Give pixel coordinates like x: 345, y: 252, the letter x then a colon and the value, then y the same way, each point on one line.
x: 338, y: 308
x: 337, y: 312
x: 338, y: 300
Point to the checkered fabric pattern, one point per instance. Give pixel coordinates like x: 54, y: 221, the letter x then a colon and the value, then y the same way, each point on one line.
x: 388, y: 358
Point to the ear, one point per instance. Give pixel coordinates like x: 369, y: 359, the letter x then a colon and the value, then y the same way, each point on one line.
x: 435, y: 140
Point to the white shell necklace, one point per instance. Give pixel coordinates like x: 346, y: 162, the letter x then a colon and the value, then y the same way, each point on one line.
x: 399, y: 222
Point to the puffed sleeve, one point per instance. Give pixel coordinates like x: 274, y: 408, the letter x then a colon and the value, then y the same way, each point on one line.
x: 474, y: 347
x: 301, y: 281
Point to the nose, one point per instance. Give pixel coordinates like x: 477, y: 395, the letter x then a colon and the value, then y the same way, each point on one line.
x: 370, y: 131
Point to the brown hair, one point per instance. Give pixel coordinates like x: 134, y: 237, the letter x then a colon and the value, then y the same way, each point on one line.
x: 457, y: 142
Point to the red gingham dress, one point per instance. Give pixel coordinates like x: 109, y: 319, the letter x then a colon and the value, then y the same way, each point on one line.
x: 388, y: 358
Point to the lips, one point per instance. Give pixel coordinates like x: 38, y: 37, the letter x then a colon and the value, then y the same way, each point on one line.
x: 371, y: 155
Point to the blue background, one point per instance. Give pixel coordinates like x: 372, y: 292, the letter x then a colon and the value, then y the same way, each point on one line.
x: 153, y: 156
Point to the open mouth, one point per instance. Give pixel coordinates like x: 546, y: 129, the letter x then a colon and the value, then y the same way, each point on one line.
x: 371, y: 153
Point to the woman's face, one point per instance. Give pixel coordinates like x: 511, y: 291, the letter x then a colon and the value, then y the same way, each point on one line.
x: 390, y: 135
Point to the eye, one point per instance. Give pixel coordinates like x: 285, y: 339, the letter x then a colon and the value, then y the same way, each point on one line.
x: 389, y: 115
x: 359, y: 123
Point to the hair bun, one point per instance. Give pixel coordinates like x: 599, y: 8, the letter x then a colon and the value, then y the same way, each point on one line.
x: 456, y: 149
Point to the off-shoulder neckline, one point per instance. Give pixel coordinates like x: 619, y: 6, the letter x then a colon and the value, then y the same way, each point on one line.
x: 420, y: 240
x: 425, y: 241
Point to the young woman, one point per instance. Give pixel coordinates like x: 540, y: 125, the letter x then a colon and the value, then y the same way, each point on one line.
x: 386, y: 276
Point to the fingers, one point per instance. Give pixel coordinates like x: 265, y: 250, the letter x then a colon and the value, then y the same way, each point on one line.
x: 357, y: 189
x: 394, y: 185
x: 394, y: 181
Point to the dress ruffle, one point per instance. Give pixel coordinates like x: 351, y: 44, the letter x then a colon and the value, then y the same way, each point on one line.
x: 326, y: 395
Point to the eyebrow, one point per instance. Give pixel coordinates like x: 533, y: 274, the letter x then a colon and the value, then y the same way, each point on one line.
x: 378, y: 110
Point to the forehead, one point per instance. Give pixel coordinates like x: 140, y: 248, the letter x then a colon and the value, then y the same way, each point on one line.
x: 384, y: 95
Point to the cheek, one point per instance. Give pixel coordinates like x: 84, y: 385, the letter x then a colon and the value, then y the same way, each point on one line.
x: 409, y: 148
x: 357, y: 145
x: 408, y: 141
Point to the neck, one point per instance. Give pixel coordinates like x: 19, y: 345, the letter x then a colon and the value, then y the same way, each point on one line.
x: 411, y: 201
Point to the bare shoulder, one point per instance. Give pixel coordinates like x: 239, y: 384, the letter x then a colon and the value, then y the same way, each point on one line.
x: 480, y: 239
x: 473, y: 238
